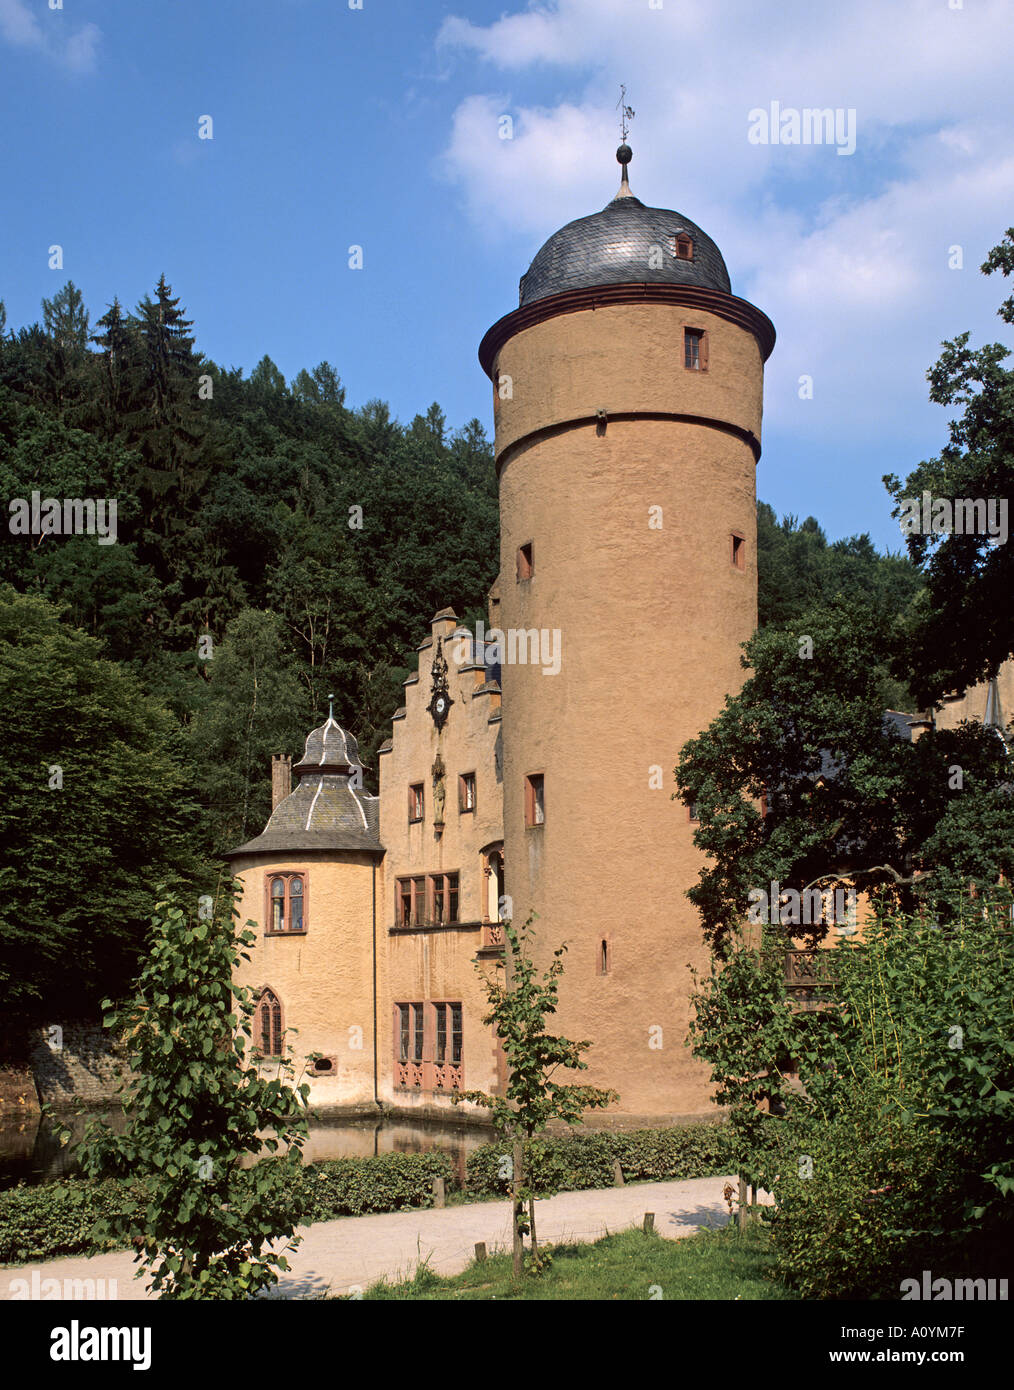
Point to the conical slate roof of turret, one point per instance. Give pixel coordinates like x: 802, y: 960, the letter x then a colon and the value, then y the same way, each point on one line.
x: 626, y: 242
x: 327, y: 810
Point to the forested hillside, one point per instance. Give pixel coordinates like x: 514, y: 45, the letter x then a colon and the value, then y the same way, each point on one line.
x: 311, y: 542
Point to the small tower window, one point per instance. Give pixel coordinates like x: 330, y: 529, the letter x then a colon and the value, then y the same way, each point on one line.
x: 604, y: 957
x: 466, y: 792
x: 535, y: 799
x: 738, y: 550
x: 684, y: 247
x: 526, y: 560
x: 695, y: 349
x: 416, y: 802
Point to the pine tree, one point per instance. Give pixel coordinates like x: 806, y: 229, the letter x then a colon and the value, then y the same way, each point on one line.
x: 66, y: 319
x: 119, y: 343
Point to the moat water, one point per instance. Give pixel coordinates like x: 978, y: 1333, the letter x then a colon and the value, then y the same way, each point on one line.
x: 30, y: 1149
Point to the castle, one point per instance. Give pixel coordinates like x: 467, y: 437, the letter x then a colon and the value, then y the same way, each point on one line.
x: 530, y: 768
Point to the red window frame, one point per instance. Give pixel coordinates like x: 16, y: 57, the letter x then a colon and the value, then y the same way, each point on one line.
x: 268, y: 1024
x: 697, y: 338
x: 411, y: 901
x: 466, y: 790
x: 444, y: 899
x: 429, y: 1035
x: 416, y: 802
x: 535, y: 799
x: 287, y: 877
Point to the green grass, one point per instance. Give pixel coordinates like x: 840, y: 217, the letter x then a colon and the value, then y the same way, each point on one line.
x: 725, y: 1264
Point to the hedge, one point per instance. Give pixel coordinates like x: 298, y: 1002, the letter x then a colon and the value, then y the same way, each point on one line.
x: 39, y: 1223
x: 571, y: 1162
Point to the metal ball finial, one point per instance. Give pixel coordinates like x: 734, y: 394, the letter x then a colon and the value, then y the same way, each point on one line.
x: 624, y: 154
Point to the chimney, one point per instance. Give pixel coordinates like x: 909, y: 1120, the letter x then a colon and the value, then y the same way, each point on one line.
x: 281, y: 777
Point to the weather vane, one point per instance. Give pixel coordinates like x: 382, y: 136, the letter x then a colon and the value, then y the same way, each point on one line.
x: 627, y: 113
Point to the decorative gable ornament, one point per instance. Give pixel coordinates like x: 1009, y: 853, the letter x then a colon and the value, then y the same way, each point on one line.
x: 440, y: 699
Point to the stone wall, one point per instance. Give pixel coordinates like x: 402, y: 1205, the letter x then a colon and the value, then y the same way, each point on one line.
x: 17, y: 1093
x: 78, y: 1061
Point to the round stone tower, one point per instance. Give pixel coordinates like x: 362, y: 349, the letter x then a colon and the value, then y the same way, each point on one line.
x: 627, y: 394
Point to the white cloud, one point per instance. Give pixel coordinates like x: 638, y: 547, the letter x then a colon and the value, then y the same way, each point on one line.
x: 847, y: 255
x: 48, y: 35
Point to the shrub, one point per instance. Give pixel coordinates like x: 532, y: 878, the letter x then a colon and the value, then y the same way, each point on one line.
x: 354, y: 1186
x: 575, y: 1162
x: 40, y: 1223
x: 907, y: 1121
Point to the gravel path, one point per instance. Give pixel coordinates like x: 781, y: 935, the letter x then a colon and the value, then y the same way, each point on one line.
x: 355, y: 1251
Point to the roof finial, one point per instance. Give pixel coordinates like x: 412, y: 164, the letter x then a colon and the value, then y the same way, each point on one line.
x: 624, y: 154
x: 330, y: 708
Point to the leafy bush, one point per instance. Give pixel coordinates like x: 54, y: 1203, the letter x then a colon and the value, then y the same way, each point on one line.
x: 40, y: 1223
x: 575, y: 1162
x: 354, y: 1186
x: 907, y: 1120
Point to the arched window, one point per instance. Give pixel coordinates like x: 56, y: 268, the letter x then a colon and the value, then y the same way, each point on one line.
x: 286, y: 905
x: 277, y: 904
x: 268, y: 1024
x: 295, y: 903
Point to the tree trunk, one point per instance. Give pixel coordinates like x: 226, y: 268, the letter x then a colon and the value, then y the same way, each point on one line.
x: 519, y: 1208
x: 532, y: 1237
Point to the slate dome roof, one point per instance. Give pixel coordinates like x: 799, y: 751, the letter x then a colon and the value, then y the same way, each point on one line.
x: 614, y: 247
x: 324, y: 811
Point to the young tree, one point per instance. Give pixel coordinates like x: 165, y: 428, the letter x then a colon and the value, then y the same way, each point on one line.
x: 204, y: 1224
x: 519, y: 1004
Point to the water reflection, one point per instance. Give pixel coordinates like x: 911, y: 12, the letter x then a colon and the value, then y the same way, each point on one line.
x: 30, y: 1151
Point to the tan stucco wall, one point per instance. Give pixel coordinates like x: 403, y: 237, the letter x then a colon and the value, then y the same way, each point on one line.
x: 439, y: 965
x: 651, y: 622
x: 325, y: 978
x: 625, y: 358
x: 972, y: 704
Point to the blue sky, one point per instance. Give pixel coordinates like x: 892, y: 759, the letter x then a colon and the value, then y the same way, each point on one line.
x: 381, y: 127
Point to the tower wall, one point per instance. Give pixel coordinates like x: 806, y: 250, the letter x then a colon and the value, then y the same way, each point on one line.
x: 323, y: 978
x: 650, y: 622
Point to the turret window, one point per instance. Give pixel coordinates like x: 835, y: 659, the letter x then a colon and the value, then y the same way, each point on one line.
x: 526, y: 560
x: 268, y: 1033
x: 535, y: 800
x: 286, y: 905
x: 466, y: 791
x: 416, y: 802
x: 684, y: 247
x: 695, y: 349
x: 738, y: 551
